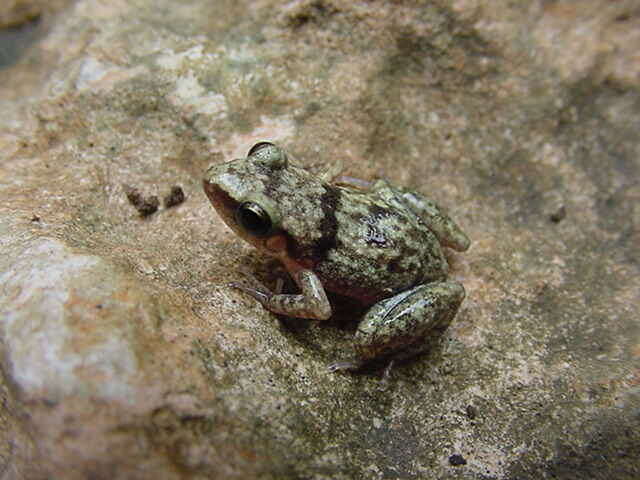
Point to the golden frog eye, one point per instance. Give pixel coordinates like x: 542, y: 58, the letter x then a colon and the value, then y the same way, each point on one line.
x: 254, y: 219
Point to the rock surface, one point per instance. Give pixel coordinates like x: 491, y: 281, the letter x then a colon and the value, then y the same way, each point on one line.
x: 124, y: 355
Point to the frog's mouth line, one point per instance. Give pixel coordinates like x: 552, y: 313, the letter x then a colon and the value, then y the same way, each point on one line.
x: 226, y: 207
x: 222, y: 203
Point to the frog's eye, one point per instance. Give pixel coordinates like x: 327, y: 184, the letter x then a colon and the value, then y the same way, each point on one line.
x: 269, y: 154
x: 259, y: 146
x: 254, y: 219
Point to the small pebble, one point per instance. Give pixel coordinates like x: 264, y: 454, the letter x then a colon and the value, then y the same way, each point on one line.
x: 457, y: 460
x: 558, y: 215
x: 472, y: 412
x: 145, y: 206
x: 176, y: 197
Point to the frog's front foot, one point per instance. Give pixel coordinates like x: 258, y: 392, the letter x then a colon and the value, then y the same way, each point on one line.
x: 260, y: 293
x: 311, y: 303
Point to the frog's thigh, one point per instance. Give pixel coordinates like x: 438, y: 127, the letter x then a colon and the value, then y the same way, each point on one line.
x: 311, y: 303
x: 397, y: 323
x: 445, y: 229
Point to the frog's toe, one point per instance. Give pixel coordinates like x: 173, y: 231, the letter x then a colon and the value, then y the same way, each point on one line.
x: 252, y: 279
x: 260, y: 295
x: 349, y: 365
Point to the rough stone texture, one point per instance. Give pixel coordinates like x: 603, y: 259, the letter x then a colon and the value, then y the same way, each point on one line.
x: 14, y: 13
x: 124, y: 355
x: 22, y: 22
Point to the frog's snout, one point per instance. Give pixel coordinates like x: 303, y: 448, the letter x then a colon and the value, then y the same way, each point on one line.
x: 211, y: 182
x: 210, y: 175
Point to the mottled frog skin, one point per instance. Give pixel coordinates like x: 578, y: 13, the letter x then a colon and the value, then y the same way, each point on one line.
x: 371, y: 241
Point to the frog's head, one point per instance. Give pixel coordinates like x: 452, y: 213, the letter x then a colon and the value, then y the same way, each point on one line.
x: 237, y: 190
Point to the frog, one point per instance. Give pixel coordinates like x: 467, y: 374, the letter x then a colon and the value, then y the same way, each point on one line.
x: 379, y: 244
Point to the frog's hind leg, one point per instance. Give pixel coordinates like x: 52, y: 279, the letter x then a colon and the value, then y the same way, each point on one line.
x: 445, y: 229
x: 398, y: 325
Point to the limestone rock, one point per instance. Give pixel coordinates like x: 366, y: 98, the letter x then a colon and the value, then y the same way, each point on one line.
x: 124, y: 353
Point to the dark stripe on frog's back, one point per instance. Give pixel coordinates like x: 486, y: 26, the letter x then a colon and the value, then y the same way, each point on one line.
x: 393, y: 260
x: 330, y: 203
x: 313, y: 250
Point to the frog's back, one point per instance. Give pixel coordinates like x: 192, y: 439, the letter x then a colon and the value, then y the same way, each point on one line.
x: 368, y: 249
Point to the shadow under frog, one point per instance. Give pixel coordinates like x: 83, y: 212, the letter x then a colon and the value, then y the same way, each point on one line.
x: 371, y: 241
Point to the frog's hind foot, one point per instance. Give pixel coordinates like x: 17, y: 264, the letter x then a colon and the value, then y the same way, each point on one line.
x: 355, y: 365
x: 350, y: 365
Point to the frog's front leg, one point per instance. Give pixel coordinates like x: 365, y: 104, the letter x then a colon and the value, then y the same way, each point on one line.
x: 399, y: 324
x: 311, y: 303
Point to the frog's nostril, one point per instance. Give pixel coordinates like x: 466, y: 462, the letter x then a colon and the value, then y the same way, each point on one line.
x: 212, y: 175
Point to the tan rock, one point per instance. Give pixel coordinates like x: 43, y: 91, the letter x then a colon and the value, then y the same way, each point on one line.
x: 124, y: 353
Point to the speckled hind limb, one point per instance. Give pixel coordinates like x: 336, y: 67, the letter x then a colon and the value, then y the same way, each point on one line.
x: 400, y: 324
x: 445, y: 229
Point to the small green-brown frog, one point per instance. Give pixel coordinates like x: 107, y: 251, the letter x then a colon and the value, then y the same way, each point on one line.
x: 371, y: 241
